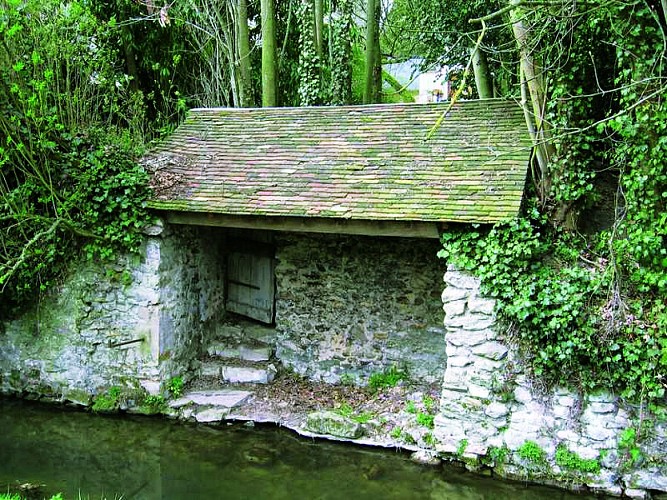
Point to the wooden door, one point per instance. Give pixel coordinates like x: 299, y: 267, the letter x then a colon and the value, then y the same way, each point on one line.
x: 250, y: 285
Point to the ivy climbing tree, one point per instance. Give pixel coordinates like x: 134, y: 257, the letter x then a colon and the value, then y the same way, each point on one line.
x: 341, y: 53
x: 309, y: 60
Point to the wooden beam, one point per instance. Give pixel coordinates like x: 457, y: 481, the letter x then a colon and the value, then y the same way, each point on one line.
x: 415, y: 229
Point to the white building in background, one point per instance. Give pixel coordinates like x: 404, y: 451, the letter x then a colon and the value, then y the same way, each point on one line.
x: 433, y: 86
x: 429, y: 86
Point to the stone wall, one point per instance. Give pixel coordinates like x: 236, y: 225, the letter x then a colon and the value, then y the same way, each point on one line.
x: 490, y: 412
x: 134, y: 322
x: 349, y: 306
x: 191, y: 275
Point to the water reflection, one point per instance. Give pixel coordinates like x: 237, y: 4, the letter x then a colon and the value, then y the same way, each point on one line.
x: 141, y: 458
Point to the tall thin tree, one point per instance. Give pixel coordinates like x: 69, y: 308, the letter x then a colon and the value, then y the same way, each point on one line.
x: 269, y: 63
x: 373, y: 63
x: 532, y: 80
x: 309, y: 61
x: 243, y: 45
x: 480, y: 67
x: 341, y: 53
x: 319, y: 23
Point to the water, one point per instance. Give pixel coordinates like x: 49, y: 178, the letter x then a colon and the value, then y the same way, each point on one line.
x: 97, y: 457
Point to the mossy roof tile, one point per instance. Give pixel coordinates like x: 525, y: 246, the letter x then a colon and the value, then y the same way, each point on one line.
x: 351, y: 162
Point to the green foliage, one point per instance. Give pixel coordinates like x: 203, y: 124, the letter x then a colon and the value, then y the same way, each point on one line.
x: 628, y: 447
x: 16, y: 496
x: 68, y: 178
x: 153, y: 404
x: 430, y: 404
x: 57, y: 496
x: 498, y: 455
x: 347, y: 411
x: 439, y: 33
x: 570, y: 460
x: 347, y: 379
x: 429, y: 439
x: 461, y: 448
x: 557, y: 300
x: 175, y: 386
x: 341, y: 54
x: 309, y: 63
x: 425, y: 413
x: 108, y: 401
x: 386, y: 379
x: 531, y: 452
x: 364, y: 417
x: 588, y: 309
x: 425, y: 419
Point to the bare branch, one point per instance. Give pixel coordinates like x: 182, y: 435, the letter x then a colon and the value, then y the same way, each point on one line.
x: 508, y: 8
x: 9, y: 270
x: 460, y: 88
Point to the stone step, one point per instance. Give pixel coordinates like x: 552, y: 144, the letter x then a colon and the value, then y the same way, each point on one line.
x: 226, y: 398
x: 262, y: 353
x: 211, y: 369
x: 246, y: 331
x: 244, y: 352
x: 248, y: 375
x: 233, y: 374
x: 209, y: 405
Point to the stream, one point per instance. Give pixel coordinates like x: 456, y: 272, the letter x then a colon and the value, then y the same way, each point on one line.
x: 90, y: 456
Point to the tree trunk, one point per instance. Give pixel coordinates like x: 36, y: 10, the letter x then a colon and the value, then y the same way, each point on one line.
x: 534, y: 82
x: 483, y: 79
x: 341, y: 54
x: 373, y: 64
x: 245, y: 85
x: 319, y: 22
x: 309, y: 62
x: 130, y: 57
x: 268, y: 53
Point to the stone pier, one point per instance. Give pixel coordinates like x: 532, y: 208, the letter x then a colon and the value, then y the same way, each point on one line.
x: 490, y: 413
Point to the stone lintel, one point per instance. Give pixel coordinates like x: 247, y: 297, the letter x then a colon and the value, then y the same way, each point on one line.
x: 412, y: 229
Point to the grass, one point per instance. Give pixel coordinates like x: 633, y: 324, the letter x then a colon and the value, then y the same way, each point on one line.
x: 109, y: 401
x: 426, y: 420
x: 346, y: 410
x: 531, y: 452
x: 175, y: 386
x: 16, y: 496
x: 57, y: 496
x: 570, y: 460
x: 386, y: 379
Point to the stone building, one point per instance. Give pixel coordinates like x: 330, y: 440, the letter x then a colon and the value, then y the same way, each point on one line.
x: 323, y: 222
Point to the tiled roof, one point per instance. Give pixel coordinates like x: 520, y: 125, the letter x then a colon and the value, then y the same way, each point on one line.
x: 349, y: 162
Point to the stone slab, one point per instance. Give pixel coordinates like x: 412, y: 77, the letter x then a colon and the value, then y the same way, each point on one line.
x: 328, y: 422
x: 222, y: 350
x: 179, y: 403
x: 211, y: 415
x: 227, y: 398
x: 248, y: 375
x: 211, y: 369
x: 255, y: 353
